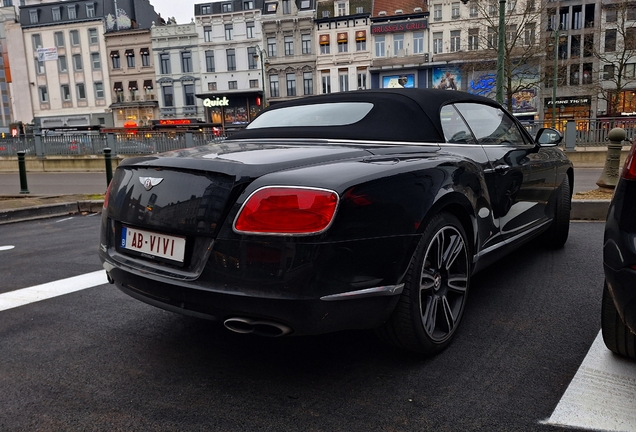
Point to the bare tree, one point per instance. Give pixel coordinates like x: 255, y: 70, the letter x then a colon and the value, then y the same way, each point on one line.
x: 522, y: 49
x: 616, y: 54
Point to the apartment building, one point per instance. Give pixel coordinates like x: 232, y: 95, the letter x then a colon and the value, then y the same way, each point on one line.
x: 290, y: 44
x: 231, y: 61
x: 12, y: 67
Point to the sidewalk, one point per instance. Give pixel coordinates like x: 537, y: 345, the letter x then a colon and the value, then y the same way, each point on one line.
x: 61, y: 194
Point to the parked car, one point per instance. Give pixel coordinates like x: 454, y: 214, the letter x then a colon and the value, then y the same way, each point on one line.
x: 618, y: 315
x: 353, y: 210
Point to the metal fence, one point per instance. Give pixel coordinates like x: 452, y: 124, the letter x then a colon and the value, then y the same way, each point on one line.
x: 589, y: 133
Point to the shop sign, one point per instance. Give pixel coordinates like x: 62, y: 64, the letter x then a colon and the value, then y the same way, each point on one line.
x: 399, y: 27
x: 216, y: 102
x: 176, y: 122
x: 569, y: 101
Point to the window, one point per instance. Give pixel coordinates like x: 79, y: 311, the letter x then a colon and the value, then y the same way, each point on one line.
x: 186, y: 62
x: 77, y: 62
x: 455, y: 37
x: 608, y: 72
x: 164, y: 59
x: 610, y: 40
x: 96, y: 61
x: 229, y: 31
x: 473, y: 39
x: 574, y: 75
x: 306, y: 43
x: 308, y: 83
x: 39, y: 67
x: 168, y: 96
x: 130, y: 58
x: 226, y: 7
x: 232, y: 85
x: 75, y: 40
x: 273, y: 86
x: 57, y: 14
x: 271, y: 47
x: 71, y: 11
x: 342, y: 9
x: 65, y: 90
x: 249, y: 30
x: 289, y: 45
x: 207, y: 33
x: 62, y: 65
x: 58, y: 37
x: 588, y: 45
x: 270, y: 7
x: 90, y: 10
x: 438, y: 43
x: 491, y: 126
x: 212, y: 86
x: 80, y: 91
x: 418, y: 42
x: 343, y: 80
x: 587, y: 73
x: 343, y: 46
x: 492, y: 38
x: 575, y: 46
x: 206, y: 9
x: 398, y: 44
x: 437, y: 12
x: 473, y: 11
x: 359, y: 9
x: 611, y: 15
x: 455, y: 10
x: 529, y: 34
x: 36, y: 39
x: 209, y: 61
x: 326, y: 82
x: 145, y: 56
x: 99, y: 90
x: 379, y: 46
x: 362, y: 79
x: 325, y: 48
x: 630, y: 38
x: 248, y: 5
x: 34, y: 19
x: 231, y: 59
x: 92, y: 36
x: 286, y: 7
x: 252, y: 58
x: 291, y: 84
x: 114, y: 57
x: 188, y: 95
x: 44, y: 94
x: 253, y: 83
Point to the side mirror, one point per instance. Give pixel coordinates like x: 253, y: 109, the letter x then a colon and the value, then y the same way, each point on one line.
x: 548, y: 137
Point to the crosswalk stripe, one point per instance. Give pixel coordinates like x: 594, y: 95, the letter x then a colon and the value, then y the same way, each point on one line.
x: 21, y: 297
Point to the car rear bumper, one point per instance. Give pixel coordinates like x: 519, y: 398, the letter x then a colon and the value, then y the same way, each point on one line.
x: 360, y: 309
x: 622, y: 287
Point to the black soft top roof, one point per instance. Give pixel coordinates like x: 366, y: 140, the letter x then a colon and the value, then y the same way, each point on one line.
x: 410, y: 115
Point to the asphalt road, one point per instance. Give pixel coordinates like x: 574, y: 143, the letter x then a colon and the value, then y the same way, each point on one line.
x: 96, y: 359
x: 95, y: 182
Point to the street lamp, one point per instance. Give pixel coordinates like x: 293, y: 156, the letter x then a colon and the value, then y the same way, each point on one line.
x: 261, y: 53
x: 500, y: 49
x: 557, y: 35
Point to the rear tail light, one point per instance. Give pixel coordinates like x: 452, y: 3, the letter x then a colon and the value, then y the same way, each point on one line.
x: 107, y: 195
x: 629, y: 170
x: 287, y: 210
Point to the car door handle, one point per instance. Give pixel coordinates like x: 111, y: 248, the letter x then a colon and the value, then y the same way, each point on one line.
x: 501, y: 168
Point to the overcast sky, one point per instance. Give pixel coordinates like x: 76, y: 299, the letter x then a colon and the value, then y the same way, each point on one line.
x: 182, y: 10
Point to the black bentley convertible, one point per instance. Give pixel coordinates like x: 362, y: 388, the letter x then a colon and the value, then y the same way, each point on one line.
x: 365, y: 209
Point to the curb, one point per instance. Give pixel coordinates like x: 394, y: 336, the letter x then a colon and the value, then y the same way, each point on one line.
x: 582, y: 210
x: 50, y: 210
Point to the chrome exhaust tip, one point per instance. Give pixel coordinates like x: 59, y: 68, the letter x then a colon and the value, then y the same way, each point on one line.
x: 257, y: 327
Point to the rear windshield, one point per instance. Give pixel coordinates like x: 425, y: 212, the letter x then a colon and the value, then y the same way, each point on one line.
x: 327, y: 114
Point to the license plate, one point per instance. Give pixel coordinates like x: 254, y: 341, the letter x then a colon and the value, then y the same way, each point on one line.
x: 151, y: 244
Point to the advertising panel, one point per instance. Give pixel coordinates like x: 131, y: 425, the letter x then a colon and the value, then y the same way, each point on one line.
x: 398, y: 81
x: 447, y: 78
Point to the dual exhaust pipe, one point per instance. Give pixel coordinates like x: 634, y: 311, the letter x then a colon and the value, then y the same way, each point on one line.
x: 256, y: 326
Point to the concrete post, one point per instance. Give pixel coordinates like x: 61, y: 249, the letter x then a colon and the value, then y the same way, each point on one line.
x: 39, y: 148
x: 609, y: 176
x: 570, y: 135
x: 189, y: 140
x: 24, y: 189
x: 111, y: 142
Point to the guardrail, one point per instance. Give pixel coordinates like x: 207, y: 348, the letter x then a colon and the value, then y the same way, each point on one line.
x: 589, y: 132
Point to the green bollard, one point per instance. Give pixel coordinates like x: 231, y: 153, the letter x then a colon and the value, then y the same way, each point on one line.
x: 23, y: 179
x: 109, y: 166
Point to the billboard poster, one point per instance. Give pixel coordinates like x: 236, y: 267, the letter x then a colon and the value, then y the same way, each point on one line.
x: 524, y: 102
x: 45, y: 54
x: 447, y: 78
x: 483, y: 85
x: 398, y: 81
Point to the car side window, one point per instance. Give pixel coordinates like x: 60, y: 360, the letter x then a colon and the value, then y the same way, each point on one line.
x: 456, y: 131
x: 491, y: 125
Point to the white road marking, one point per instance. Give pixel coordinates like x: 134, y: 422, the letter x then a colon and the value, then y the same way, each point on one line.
x: 62, y: 220
x: 4, y: 248
x: 21, y: 297
x: 602, y: 394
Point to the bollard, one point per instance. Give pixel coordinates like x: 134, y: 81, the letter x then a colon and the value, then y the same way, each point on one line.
x: 109, y: 166
x: 22, y: 167
x: 609, y: 176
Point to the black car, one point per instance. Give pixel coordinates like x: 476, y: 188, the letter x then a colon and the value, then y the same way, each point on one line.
x: 355, y: 210
x: 618, y: 315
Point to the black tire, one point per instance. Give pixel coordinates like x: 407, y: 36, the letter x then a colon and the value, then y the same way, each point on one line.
x: 556, y: 236
x: 435, y: 290
x: 617, y: 336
